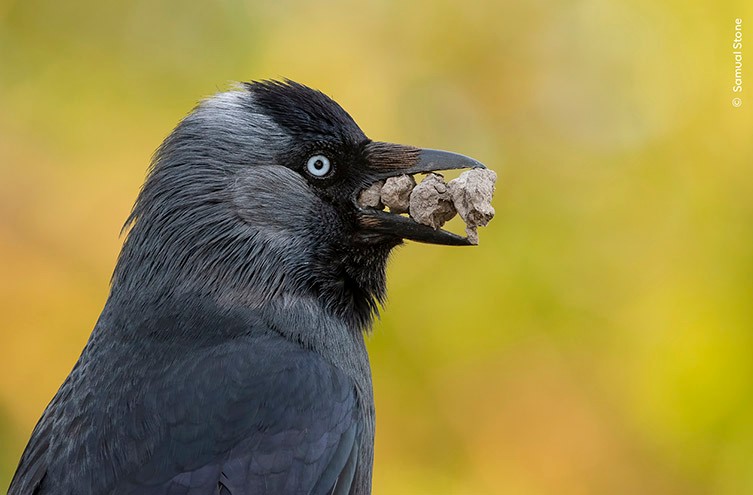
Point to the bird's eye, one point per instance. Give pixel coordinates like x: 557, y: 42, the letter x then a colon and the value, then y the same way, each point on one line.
x: 318, y: 166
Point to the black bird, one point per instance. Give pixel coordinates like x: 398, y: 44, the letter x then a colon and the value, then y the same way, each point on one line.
x: 229, y: 357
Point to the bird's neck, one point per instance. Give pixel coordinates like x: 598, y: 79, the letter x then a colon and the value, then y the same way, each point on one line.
x: 348, y: 282
x: 352, y: 283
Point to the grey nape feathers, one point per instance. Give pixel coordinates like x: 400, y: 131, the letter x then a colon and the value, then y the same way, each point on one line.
x: 229, y: 357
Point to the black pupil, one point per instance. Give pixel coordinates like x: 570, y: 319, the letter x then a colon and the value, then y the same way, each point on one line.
x: 319, y: 164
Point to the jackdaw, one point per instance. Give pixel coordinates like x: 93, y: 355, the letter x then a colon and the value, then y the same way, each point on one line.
x: 229, y: 357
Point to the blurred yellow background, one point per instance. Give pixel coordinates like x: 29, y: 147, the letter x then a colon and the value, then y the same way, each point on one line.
x: 598, y: 341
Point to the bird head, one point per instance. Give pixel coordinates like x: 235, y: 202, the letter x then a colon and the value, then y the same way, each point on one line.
x: 254, y: 197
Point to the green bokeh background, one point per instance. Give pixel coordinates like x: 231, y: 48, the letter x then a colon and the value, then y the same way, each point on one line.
x: 599, y: 340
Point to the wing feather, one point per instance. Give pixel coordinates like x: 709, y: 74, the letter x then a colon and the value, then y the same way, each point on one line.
x: 256, y: 414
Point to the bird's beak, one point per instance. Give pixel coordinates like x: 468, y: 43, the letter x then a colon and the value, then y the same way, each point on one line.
x: 390, y: 160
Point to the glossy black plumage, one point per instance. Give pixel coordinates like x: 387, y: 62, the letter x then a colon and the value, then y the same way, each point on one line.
x: 248, y: 411
x: 229, y: 357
